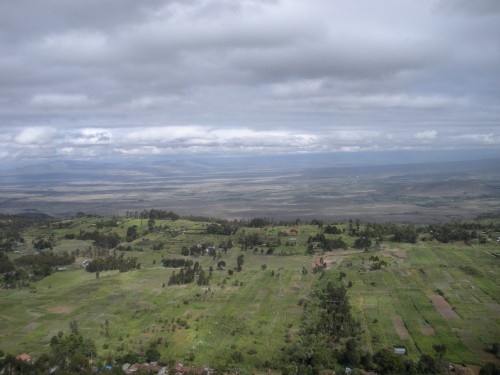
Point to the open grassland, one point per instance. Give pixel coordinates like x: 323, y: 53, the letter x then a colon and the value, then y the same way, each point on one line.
x: 428, y: 293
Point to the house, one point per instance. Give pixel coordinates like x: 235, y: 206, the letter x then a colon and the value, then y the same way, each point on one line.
x: 178, y: 369
x: 25, y: 357
x: 458, y: 369
x: 148, y: 367
x: 400, y: 350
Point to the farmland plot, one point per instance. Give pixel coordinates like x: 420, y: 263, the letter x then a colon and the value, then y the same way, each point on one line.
x: 426, y: 298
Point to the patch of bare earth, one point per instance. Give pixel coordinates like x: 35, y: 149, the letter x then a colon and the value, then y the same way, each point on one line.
x: 63, y: 309
x: 443, y: 307
x: 399, y: 327
x: 29, y: 327
x: 427, y: 331
x: 399, y: 254
x: 333, y: 257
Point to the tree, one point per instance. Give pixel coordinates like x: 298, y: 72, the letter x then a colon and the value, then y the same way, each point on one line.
x: 427, y: 365
x: 362, y: 243
x: 239, y: 261
x: 351, y: 354
x: 440, y: 350
x: 152, y: 355
x: 131, y: 233
x: 73, y: 326
x: 151, y: 224
x: 388, y: 362
x: 489, y: 369
x: 310, y: 249
x: 79, y: 364
x: 202, y: 278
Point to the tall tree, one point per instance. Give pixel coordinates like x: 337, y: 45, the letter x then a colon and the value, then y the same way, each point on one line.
x: 239, y: 261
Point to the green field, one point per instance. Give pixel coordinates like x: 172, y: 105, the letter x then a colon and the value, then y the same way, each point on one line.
x: 425, y: 295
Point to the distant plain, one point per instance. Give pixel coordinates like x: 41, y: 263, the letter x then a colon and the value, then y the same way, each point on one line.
x: 286, y: 188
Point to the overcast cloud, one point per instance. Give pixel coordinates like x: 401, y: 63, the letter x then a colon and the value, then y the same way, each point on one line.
x: 94, y: 78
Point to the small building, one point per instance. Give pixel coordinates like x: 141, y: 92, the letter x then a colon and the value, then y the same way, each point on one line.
x: 25, y: 357
x: 400, y: 350
x: 458, y: 369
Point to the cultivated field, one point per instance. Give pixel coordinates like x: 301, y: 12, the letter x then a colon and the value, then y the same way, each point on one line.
x: 425, y: 295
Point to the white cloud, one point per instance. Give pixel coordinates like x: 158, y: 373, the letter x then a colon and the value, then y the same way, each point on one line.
x: 486, y: 139
x: 88, y: 142
x: 35, y: 136
x: 151, y: 102
x: 298, y: 88
x: 355, y: 135
x: 90, y: 136
x: 426, y: 135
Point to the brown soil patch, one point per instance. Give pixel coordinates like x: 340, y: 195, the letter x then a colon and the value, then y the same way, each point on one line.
x: 63, y: 309
x: 399, y: 254
x: 427, y: 331
x: 399, y: 327
x: 29, y: 327
x: 443, y: 307
x: 333, y: 257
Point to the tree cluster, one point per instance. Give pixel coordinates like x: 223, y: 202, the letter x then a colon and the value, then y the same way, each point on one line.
x: 406, y: 234
x: 41, y: 243
x: 331, y: 229
x: 6, y: 264
x: 450, y: 232
x: 187, y: 275
x: 159, y: 214
x: 43, y: 263
x: 225, y: 228
x: 328, y: 244
x: 250, y: 240
x: 113, y: 262
x: 326, y: 319
x: 177, y: 262
x: 103, y: 240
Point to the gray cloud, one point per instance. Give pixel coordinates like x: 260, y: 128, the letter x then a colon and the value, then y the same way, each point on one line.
x: 93, y: 78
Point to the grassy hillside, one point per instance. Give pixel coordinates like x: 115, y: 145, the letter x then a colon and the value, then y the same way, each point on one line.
x: 413, y: 295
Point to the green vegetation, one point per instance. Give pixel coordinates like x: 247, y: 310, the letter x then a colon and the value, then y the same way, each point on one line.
x: 295, y: 298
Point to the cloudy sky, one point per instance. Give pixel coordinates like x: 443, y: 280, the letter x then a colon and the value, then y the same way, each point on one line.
x: 107, y: 78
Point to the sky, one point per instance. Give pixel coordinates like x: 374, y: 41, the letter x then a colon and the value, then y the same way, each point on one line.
x: 107, y: 79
